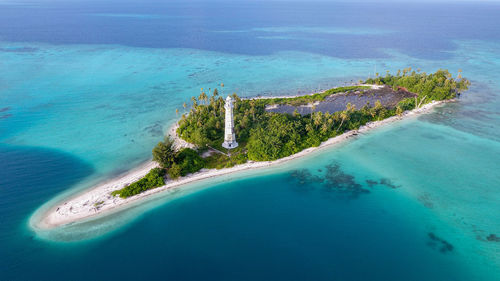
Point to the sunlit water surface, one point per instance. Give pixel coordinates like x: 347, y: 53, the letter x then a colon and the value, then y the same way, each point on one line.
x: 86, y: 90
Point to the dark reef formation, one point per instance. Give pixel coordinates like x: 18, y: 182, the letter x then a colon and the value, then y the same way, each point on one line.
x: 388, y: 183
x: 493, y: 238
x: 5, y: 115
x: 331, y: 179
x: 371, y: 183
x: 439, y: 243
x: 336, y: 179
x: 426, y: 200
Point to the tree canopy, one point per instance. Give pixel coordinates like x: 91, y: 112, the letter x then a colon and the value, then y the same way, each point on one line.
x: 435, y: 86
x: 266, y: 135
x: 164, y: 153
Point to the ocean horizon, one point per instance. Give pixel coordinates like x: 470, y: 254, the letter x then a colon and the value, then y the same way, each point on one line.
x: 88, y: 88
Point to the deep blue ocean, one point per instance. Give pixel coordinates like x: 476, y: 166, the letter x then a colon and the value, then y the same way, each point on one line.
x: 88, y: 87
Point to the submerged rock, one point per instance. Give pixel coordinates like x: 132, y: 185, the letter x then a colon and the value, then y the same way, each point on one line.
x: 439, y: 243
x: 493, y: 238
x: 388, y: 183
x: 426, y: 200
x: 333, y: 180
x: 304, y: 176
x: 371, y: 183
x: 336, y: 179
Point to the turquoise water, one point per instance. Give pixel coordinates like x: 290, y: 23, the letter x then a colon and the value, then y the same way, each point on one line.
x: 415, y: 200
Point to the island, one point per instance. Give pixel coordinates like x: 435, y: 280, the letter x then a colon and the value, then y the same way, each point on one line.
x: 218, y: 136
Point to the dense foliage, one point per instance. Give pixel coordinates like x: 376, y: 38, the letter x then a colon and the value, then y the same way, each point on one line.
x: 268, y: 136
x: 164, y: 153
x: 154, y: 179
x: 282, y: 135
x: 189, y: 161
x: 436, y: 86
x: 204, y: 125
x: 265, y: 135
x: 177, y: 163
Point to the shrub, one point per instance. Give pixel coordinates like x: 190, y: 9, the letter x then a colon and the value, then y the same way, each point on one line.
x: 189, y: 161
x: 175, y: 171
x: 154, y: 179
x: 164, y: 153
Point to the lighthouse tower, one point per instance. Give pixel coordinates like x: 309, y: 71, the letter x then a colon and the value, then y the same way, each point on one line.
x: 229, y: 138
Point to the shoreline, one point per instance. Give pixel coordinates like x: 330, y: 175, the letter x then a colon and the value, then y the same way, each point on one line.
x: 97, y: 201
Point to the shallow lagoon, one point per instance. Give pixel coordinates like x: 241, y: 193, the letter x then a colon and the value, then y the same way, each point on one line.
x: 76, y: 113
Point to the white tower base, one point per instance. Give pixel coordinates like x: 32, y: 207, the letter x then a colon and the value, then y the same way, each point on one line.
x: 230, y: 145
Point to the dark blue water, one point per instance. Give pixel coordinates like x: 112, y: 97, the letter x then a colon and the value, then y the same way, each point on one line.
x: 420, y: 30
x: 86, y: 89
x: 294, y: 231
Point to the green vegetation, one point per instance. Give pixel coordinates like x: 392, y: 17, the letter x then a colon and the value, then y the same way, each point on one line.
x: 281, y: 135
x: 164, y: 153
x: 220, y: 161
x: 98, y: 204
x: 204, y: 125
x: 154, y: 179
x: 175, y: 163
x: 437, y: 86
x: 307, y: 99
x: 264, y: 136
x: 268, y: 136
x: 189, y: 161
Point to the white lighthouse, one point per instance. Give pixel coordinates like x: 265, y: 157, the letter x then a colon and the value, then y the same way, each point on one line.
x: 229, y: 137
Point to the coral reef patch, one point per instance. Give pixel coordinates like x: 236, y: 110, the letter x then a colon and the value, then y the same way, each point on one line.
x: 438, y: 243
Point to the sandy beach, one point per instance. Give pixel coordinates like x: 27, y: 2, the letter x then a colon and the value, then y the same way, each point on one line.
x: 98, y: 201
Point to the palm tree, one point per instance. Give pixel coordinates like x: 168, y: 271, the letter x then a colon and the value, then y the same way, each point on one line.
x: 309, y: 128
x: 344, y: 115
x: 193, y: 100
x: 324, y: 128
x: 203, y: 97
x: 399, y: 111
x: 421, y: 101
x: 252, y: 108
x: 318, y: 118
x: 212, y: 104
x: 313, y: 108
